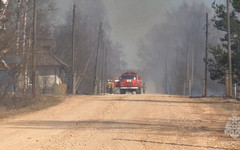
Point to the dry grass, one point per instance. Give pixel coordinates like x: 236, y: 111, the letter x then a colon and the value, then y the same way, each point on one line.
x: 42, y: 102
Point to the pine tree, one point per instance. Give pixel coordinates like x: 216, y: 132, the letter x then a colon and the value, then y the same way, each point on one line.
x: 218, y: 63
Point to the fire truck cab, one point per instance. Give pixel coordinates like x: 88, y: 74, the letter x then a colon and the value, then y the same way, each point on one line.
x: 129, y: 81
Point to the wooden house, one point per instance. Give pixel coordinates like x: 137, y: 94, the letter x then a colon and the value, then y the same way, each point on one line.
x: 50, y: 71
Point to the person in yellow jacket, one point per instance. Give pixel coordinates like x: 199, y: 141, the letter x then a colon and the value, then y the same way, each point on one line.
x: 110, y: 86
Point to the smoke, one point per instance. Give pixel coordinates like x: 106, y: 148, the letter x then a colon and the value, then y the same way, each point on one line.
x: 96, y: 56
x: 132, y: 19
x: 171, y: 54
x: 171, y: 33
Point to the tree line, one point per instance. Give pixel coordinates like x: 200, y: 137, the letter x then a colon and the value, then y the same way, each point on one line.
x: 90, y: 15
x: 172, y: 53
x: 16, y: 35
x: 218, y: 63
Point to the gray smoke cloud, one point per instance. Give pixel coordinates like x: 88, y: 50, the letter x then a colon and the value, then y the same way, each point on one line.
x: 171, y: 54
x: 132, y: 19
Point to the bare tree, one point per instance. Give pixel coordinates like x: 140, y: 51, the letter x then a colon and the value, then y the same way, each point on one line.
x: 87, y: 21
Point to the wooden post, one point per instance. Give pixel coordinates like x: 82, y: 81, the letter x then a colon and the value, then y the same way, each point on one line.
x: 73, y: 54
x: 34, y: 81
x: 206, y: 59
x: 229, y: 49
x: 184, y: 88
x: 95, y: 83
x: 227, y: 83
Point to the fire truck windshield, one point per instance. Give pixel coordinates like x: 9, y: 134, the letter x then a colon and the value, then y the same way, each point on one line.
x: 128, y: 77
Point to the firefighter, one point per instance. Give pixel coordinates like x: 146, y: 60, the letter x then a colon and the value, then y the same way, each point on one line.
x: 110, y: 86
x: 144, y: 88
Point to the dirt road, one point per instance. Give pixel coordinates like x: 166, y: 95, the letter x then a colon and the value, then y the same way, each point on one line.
x: 123, y: 122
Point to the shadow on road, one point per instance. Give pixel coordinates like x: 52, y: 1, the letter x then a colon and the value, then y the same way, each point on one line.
x: 154, y: 126
x: 174, y: 144
x: 176, y: 102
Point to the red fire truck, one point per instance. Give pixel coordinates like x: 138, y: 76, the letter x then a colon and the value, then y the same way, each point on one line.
x: 129, y: 81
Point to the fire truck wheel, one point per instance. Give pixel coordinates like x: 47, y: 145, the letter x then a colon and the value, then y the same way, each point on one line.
x: 122, y: 91
x: 139, y: 91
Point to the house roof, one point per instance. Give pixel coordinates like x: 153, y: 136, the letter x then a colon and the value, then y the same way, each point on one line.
x: 46, y: 58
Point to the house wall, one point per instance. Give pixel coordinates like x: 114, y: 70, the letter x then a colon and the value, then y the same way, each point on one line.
x: 5, y: 82
x: 48, y: 76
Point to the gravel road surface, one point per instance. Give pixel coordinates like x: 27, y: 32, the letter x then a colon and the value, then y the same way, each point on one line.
x: 124, y: 122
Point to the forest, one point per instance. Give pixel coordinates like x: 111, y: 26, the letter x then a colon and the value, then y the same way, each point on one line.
x: 96, y: 57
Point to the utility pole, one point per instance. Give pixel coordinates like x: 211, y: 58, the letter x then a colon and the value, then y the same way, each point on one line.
x: 229, y: 49
x: 184, y: 88
x: 105, y: 69
x: 166, y: 76
x: 102, y: 69
x: 176, y: 78
x: 95, y: 83
x: 192, y: 73
x: 188, y: 65
x: 206, y: 59
x: 73, y: 54
x: 34, y: 80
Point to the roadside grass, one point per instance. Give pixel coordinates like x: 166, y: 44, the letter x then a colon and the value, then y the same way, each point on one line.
x: 42, y: 102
